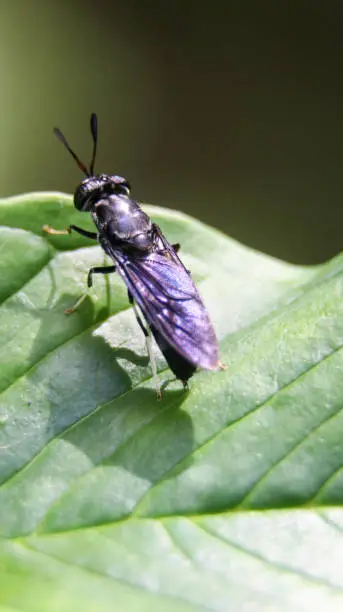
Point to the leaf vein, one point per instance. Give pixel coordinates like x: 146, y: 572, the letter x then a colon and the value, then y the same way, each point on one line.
x: 330, y: 522
x: 273, y: 564
x: 286, y: 456
x: 108, y: 576
x: 326, y: 484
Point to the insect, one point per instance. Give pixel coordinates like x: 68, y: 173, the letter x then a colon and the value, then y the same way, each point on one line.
x: 160, y: 288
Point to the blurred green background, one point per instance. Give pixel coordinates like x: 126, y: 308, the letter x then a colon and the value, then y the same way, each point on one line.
x: 229, y: 111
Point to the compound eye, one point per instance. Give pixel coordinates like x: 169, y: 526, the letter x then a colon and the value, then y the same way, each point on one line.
x: 81, y: 199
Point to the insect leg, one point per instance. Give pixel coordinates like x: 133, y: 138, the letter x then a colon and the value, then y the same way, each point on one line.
x: 72, y: 228
x: 76, y: 305
x: 98, y: 270
x: 137, y: 315
x: 147, y: 333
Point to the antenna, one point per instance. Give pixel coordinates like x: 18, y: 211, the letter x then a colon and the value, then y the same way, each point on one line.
x: 94, y: 132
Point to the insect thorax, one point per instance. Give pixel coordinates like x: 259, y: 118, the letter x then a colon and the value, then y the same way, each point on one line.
x: 121, y: 219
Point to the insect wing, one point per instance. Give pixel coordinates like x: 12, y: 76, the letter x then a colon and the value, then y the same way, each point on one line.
x: 169, y: 300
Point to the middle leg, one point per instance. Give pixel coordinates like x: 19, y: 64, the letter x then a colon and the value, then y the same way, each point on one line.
x: 96, y: 270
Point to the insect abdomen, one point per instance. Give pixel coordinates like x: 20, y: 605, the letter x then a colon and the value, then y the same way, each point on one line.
x: 179, y: 365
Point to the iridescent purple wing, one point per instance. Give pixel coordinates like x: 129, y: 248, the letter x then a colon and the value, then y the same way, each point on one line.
x: 171, y: 304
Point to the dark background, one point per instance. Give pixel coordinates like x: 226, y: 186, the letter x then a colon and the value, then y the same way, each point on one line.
x: 229, y: 111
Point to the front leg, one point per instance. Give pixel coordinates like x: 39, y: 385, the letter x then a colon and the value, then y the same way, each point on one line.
x: 72, y: 228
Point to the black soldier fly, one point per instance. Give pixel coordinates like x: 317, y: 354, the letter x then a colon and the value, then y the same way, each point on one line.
x: 156, y: 279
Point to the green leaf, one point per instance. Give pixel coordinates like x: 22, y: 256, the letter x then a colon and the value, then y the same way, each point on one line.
x: 219, y: 498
